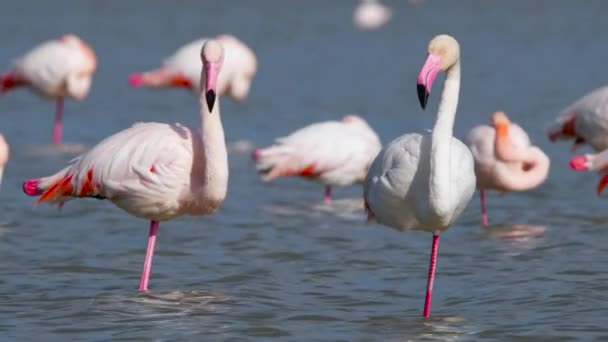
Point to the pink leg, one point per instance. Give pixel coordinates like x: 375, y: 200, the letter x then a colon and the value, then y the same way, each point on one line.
x: 145, y: 275
x: 57, y: 130
x: 327, y: 195
x: 429, y: 286
x: 484, y: 213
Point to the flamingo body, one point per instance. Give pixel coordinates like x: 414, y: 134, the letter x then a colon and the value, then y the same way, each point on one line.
x: 333, y: 153
x: 585, y: 121
x: 182, y: 69
x: 371, y: 15
x: 398, y: 194
x: 154, y: 171
x: 4, y: 154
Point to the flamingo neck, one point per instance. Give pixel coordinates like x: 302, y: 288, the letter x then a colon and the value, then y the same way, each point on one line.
x: 441, y: 141
x: 214, y: 156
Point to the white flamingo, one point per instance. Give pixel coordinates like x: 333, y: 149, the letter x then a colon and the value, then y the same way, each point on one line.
x: 54, y: 69
x: 182, y: 69
x: 424, y: 182
x: 4, y: 153
x: 155, y: 171
x: 333, y: 153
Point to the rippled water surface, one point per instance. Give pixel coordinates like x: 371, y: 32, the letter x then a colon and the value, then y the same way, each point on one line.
x: 275, y: 263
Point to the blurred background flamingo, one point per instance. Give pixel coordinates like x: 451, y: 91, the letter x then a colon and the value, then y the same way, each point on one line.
x: 54, y: 69
x: 505, y: 160
x: 153, y: 170
x: 585, y: 121
x: 371, y: 15
x: 333, y: 153
x: 182, y: 69
x: 4, y: 154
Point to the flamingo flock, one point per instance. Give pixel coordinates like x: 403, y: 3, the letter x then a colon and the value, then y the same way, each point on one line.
x: 161, y: 171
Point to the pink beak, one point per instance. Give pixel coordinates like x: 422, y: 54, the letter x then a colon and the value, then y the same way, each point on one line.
x: 211, y: 71
x: 426, y: 77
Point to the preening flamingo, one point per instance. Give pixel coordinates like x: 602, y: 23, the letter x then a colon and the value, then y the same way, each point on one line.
x: 505, y: 160
x: 425, y: 181
x: 155, y: 171
x: 182, y: 69
x: 333, y: 153
x: 371, y: 14
x: 54, y: 69
x: 4, y: 153
x: 585, y: 121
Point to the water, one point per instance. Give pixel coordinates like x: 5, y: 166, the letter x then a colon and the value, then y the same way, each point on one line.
x: 274, y: 263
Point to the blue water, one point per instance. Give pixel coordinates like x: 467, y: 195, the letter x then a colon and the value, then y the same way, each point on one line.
x: 274, y: 263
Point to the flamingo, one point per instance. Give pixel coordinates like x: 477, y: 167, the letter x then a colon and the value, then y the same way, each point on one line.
x: 54, y: 69
x: 333, y: 153
x: 154, y: 171
x: 182, y: 69
x: 504, y: 159
x: 593, y: 162
x: 424, y: 182
x: 4, y: 153
x: 371, y: 14
x: 585, y: 121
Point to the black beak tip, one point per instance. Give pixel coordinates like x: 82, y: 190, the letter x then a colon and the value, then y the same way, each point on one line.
x: 423, y: 95
x: 210, y: 97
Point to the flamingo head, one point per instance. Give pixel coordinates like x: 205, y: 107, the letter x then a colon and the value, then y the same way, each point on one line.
x: 212, y: 55
x: 501, y: 123
x: 443, y: 53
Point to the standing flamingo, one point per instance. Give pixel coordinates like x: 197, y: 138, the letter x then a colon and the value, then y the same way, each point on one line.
x: 182, y: 69
x: 4, y: 152
x: 584, y: 121
x: 55, y: 69
x: 504, y: 159
x: 155, y: 171
x: 333, y: 153
x: 424, y: 182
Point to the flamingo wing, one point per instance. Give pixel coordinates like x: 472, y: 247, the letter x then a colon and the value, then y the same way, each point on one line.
x: 144, y: 169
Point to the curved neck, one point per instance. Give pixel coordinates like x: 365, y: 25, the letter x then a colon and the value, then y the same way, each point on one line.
x: 441, y: 141
x: 525, y: 174
x: 214, y: 155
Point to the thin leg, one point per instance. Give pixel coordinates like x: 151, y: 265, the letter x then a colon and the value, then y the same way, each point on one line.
x: 145, y: 275
x: 484, y: 214
x: 429, y: 286
x: 57, y: 130
x: 328, y: 195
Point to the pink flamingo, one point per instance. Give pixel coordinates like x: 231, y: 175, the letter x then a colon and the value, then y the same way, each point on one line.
x: 333, y: 153
x: 584, y: 121
x: 504, y: 159
x: 54, y: 69
x: 182, y: 69
x: 155, y: 171
x: 424, y: 182
x: 593, y: 162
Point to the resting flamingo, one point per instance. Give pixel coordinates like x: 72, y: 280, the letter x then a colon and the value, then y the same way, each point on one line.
x: 504, y: 159
x: 182, y: 69
x: 54, y: 69
x: 585, y: 121
x: 154, y: 171
x: 333, y: 153
x: 424, y: 182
